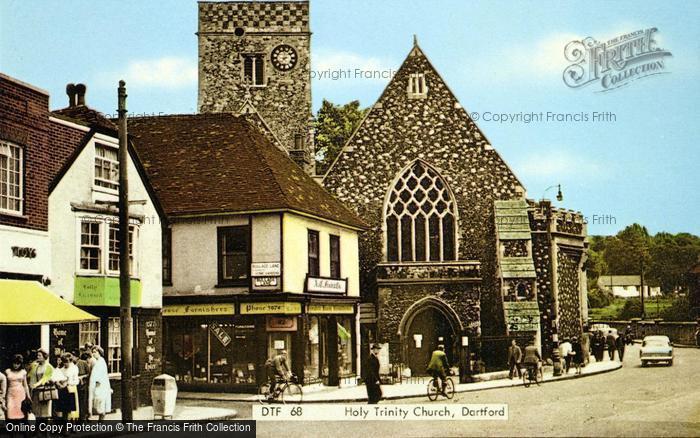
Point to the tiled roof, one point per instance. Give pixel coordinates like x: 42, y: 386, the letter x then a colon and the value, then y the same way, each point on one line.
x: 512, y: 221
x: 221, y: 163
x: 86, y: 115
x: 619, y: 280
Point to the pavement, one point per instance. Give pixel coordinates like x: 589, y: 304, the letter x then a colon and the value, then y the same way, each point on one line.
x: 413, y: 387
x: 186, y: 413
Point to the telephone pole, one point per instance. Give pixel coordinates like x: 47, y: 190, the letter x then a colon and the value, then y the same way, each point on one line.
x: 124, y: 268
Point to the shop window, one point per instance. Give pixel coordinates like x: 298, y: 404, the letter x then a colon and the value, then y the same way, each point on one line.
x: 278, y: 341
x: 90, y: 246
x: 167, y: 256
x: 106, y: 166
x: 11, y: 173
x: 335, y: 256
x: 113, y: 249
x: 234, y: 255
x: 114, y: 353
x: 89, y: 332
x: 420, y: 217
x: 312, y: 366
x: 254, y: 69
x: 314, y: 265
x: 345, y: 347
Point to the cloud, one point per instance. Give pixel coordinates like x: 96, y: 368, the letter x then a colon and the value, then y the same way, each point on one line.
x: 165, y: 72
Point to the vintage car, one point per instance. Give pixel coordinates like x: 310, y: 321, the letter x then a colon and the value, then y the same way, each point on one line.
x: 656, y: 349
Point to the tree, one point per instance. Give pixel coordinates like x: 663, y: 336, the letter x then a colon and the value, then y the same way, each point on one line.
x: 625, y: 253
x: 334, y: 126
x: 672, y: 256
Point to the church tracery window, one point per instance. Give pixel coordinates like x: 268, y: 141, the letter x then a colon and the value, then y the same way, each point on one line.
x: 420, y: 217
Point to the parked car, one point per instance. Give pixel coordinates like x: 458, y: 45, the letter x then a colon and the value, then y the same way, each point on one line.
x: 656, y: 349
x: 599, y: 327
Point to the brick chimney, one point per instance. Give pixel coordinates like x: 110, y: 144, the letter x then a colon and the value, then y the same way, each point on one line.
x: 80, y: 90
x: 72, y: 95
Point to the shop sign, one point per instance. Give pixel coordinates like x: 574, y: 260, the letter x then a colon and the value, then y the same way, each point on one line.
x: 331, y: 308
x: 326, y: 285
x: 220, y: 333
x: 152, y: 361
x: 265, y: 269
x: 199, y: 309
x: 522, y: 316
x: 260, y: 282
x: 23, y: 252
x: 281, y: 323
x: 103, y: 291
x: 265, y: 308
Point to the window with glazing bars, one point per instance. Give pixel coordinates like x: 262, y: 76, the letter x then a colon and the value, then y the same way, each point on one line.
x: 420, y: 217
x: 11, y: 165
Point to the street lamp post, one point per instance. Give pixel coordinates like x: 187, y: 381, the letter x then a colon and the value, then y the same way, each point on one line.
x: 554, y: 320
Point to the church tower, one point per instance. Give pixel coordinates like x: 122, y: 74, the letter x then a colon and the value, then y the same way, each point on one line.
x: 257, y: 53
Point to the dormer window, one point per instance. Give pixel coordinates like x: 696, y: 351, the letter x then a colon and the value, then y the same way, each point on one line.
x: 417, y: 87
x: 254, y: 70
x: 106, y: 166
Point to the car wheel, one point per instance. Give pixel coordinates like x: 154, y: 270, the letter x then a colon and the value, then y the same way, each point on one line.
x: 670, y: 363
x: 644, y: 364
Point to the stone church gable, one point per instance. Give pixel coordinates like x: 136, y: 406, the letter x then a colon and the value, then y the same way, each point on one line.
x: 402, y: 128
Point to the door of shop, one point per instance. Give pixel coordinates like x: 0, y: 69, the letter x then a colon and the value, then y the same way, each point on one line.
x: 18, y: 340
x: 428, y: 329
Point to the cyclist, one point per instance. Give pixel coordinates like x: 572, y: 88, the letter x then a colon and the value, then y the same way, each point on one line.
x: 438, y: 365
x: 278, y: 370
x: 531, y: 359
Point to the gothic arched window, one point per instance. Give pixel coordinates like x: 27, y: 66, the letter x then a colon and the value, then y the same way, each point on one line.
x: 420, y: 217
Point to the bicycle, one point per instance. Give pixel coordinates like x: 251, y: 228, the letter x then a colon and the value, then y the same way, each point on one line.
x: 433, y: 389
x: 532, y: 373
x: 286, y: 391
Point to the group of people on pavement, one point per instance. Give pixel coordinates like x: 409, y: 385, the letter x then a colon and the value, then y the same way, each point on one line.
x: 76, y: 387
x: 517, y: 360
x: 610, y: 343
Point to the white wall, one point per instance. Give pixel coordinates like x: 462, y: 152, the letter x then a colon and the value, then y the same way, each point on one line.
x: 296, y: 252
x: 194, y: 253
x: 39, y: 241
x: 77, y: 186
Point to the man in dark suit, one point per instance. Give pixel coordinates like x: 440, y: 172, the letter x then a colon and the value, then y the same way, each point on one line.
x: 372, y: 381
x: 515, y: 354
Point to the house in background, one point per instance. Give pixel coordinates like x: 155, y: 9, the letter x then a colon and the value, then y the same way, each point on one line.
x: 84, y: 226
x: 626, y: 286
x: 257, y: 257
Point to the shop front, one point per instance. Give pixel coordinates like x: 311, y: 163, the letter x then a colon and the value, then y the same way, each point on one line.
x: 224, y: 346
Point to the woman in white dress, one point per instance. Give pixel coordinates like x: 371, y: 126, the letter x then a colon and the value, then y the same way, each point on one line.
x: 100, y: 401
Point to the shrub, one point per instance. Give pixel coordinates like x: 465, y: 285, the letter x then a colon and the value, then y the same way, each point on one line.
x: 631, y: 309
x: 679, y: 310
x: 599, y: 298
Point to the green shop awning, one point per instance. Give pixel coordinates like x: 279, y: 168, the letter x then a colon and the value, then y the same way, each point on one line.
x: 24, y: 302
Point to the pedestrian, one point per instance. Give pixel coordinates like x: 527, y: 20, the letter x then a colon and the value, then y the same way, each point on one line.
x: 43, y: 389
x: 576, y: 354
x: 586, y: 347
x: 372, y: 380
x: 83, y: 393
x: 17, y: 388
x: 100, y: 401
x: 3, y: 391
x: 66, y: 378
x: 565, y: 354
x: 620, y: 344
x: 612, y: 345
x: 515, y: 355
x: 598, y: 346
x: 697, y: 336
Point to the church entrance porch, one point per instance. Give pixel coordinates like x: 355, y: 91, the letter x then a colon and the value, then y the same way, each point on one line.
x: 428, y: 328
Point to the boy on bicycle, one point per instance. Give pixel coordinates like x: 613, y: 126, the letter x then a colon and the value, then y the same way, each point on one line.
x: 531, y: 359
x: 438, y: 365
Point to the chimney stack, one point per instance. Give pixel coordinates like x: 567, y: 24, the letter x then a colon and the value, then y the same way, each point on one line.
x: 80, y: 91
x: 70, y: 91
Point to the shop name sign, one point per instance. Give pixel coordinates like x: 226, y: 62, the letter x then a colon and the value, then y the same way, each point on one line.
x: 330, y: 308
x: 326, y: 285
x: 199, y: 309
x: 23, y: 252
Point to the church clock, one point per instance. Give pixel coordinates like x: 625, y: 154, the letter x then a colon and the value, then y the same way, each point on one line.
x: 283, y: 57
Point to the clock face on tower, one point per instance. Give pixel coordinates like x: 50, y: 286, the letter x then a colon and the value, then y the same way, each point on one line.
x: 284, y: 57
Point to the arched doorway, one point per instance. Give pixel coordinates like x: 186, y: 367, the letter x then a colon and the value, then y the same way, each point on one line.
x: 425, y: 325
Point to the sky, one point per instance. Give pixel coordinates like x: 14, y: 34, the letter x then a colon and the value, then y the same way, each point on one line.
x: 621, y: 156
